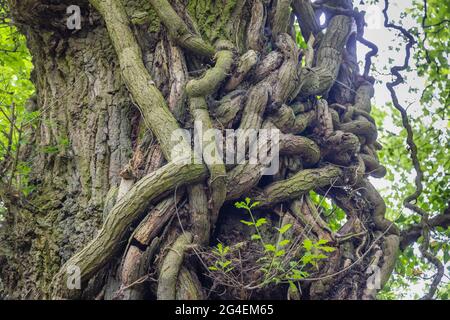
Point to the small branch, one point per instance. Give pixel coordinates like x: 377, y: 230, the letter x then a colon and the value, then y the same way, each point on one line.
x: 410, y: 235
x: 405, y: 121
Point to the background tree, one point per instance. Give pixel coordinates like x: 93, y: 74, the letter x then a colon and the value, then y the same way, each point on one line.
x: 87, y: 173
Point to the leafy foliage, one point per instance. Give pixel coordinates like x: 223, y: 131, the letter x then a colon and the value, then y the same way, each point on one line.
x: 15, y: 89
x: 279, y: 262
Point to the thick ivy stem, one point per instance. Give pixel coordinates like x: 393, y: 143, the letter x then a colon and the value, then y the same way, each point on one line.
x: 299, y: 184
x: 212, y: 78
x: 318, y: 80
x: 179, y: 31
x: 211, y: 155
x: 281, y: 18
x: 197, y: 90
x: 171, y: 267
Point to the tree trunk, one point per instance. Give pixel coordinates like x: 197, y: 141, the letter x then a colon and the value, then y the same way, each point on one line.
x: 108, y: 196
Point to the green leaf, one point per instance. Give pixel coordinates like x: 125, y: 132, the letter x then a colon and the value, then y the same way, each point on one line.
x: 298, y: 274
x: 254, y: 204
x: 255, y: 237
x: 320, y: 256
x: 225, y: 264
x: 292, y: 286
x: 285, y: 228
x: 248, y: 223
x: 240, y: 205
x: 307, y: 258
x: 260, y: 222
x: 327, y: 249
x: 269, y: 247
x: 307, y: 244
x: 280, y: 253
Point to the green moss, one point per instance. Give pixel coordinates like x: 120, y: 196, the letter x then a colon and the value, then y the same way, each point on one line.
x: 154, y: 22
x: 212, y: 17
x: 141, y: 13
